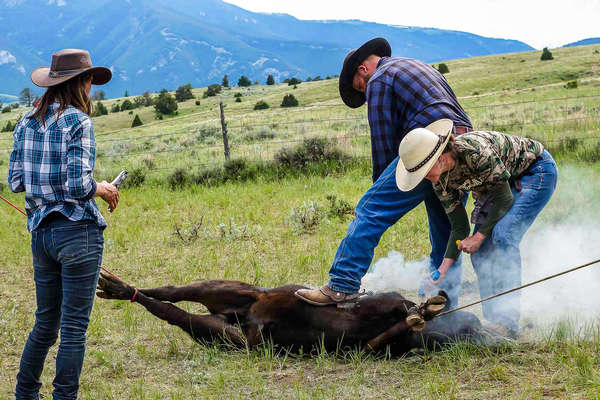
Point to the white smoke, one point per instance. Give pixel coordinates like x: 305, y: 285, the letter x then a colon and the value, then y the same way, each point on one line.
x: 553, y: 248
x: 393, y: 273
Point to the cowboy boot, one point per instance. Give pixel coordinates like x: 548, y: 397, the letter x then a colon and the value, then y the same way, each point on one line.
x: 324, y: 296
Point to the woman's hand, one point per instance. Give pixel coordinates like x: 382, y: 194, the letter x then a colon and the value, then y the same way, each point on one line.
x: 108, y: 193
x: 472, y: 243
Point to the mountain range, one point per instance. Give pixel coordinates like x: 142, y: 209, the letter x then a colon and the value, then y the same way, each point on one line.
x: 152, y: 44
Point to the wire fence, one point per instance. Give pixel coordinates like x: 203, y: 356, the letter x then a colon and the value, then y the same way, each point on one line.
x: 201, y: 139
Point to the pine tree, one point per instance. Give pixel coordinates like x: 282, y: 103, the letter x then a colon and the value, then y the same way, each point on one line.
x: 289, y: 101
x: 126, y: 93
x: 270, y: 80
x: 244, y: 81
x: 546, y: 55
x: 225, y: 82
x: 136, y: 121
x: 184, y: 93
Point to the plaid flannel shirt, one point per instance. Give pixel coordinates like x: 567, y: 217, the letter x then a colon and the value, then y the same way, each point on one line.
x: 404, y: 94
x: 53, y: 164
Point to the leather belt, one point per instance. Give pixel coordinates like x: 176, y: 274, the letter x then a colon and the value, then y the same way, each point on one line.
x: 459, y: 130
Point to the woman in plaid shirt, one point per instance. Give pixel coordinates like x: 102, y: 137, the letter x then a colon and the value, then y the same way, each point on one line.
x: 52, y: 161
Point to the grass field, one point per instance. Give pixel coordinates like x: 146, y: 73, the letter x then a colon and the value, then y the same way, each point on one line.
x: 245, y: 236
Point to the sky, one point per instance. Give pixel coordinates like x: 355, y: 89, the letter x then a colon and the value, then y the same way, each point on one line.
x: 549, y: 23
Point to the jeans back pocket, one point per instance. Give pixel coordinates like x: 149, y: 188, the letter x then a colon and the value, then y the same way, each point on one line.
x: 70, y: 242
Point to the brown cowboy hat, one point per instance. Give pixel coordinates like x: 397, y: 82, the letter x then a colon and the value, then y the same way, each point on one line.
x: 67, y: 64
x: 352, y: 97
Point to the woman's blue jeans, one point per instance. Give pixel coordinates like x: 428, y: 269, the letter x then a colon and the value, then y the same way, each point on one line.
x: 66, y: 261
x: 497, y: 263
x: 379, y: 208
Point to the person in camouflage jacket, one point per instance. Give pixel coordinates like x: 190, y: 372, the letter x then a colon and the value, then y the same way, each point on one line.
x: 511, y: 178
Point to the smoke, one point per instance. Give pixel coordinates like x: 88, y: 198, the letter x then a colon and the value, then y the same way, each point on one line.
x: 393, y: 273
x: 565, y: 235
x: 553, y: 248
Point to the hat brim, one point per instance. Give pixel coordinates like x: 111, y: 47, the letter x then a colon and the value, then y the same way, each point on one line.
x: 41, y: 76
x: 352, y: 97
x: 407, y: 181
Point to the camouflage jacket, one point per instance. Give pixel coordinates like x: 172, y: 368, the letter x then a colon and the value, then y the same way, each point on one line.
x: 485, y: 158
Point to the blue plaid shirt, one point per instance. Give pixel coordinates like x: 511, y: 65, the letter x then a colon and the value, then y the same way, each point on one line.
x: 404, y: 94
x: 53, y: 165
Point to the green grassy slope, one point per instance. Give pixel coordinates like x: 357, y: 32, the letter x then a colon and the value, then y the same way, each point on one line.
x: 244, y: 235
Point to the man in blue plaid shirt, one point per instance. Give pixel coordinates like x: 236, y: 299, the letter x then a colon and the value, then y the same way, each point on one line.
x: 37, y: 166
x: 402, y: 94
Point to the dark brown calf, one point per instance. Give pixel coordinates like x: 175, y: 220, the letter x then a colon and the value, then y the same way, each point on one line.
x: 247, y: 315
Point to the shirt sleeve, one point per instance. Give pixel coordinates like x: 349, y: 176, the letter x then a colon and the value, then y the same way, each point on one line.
x: 381, y: 122
x: 15, y: 165
x: 81, y: 154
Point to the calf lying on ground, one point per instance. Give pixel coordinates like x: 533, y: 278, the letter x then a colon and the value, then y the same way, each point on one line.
x: 246, y: 315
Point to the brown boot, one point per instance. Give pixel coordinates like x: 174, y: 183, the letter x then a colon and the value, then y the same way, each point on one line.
x: 324, y: 296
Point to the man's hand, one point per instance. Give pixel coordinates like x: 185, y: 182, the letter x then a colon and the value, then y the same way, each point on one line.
x: 472, y: 243
x: 108, y: 193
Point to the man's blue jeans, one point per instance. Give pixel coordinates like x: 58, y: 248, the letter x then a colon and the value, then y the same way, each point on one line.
x: 381, y: 207
x: 497, y: 263
x: 66, y: 262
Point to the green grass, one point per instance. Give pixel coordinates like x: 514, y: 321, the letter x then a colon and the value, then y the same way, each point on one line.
x: 244, y: 235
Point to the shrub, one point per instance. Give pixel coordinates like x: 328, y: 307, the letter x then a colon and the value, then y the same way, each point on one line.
x: 212, y: 90
x: 135, y: 178
x: 178, y: 178
x: 289, y: 101
x: 237, y: 95
x: 115, y: 108
x: 139, y: 101
x: 9, y: 127
x: 261, y: 134
x: 244, y: 81
x: 100, y: 109
x: 147, y: 98
x: 546, y: 55
x: 238, y: 99
x: 339, y: 208
x: 184, y: 93
x: 294, y: 81
x: 270, y: 80
x: 309, y: 151
x: 305, y: 218
x: 197, y: 102
x: 136, y: 121
x: 127, y: 105
x: 571, y: 85
x: 165, y: 103
x: 261, y: 105
x: 443, y: 68
x: 6, y: 109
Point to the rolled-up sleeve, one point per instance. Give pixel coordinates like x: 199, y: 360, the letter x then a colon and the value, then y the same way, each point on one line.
x: 81, y: 156
x: 15, y: 165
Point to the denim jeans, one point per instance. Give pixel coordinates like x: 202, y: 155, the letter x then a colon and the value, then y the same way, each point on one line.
x: 66, y: 263
x: 497, y: 263
x: 381, y: 207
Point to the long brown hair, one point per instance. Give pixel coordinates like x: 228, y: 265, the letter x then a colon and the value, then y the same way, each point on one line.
x: 71, y: 92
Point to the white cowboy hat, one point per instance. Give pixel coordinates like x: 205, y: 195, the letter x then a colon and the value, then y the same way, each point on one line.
x: 419, y: 150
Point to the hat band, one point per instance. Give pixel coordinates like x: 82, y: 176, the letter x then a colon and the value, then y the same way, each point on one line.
x: 435, y: 149
x: 58, y: 74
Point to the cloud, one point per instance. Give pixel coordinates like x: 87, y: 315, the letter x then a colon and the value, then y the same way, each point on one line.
x: 7, y: 58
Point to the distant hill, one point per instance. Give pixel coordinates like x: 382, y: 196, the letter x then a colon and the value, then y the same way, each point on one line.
x: 153, y: 44
x: 584, y: 42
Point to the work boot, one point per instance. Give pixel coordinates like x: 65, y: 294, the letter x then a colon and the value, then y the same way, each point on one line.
x: 324, y: 296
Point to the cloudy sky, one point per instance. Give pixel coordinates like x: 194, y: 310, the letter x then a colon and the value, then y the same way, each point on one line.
x: 538, y: 23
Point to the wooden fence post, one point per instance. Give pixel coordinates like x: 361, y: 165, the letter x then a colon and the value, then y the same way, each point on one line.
x: 224, y: 129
